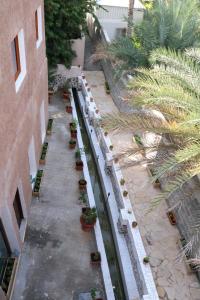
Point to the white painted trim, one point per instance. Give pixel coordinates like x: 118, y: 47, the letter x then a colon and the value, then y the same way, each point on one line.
x: 23, y: 225
x: 97, y: 229
x: 32, y: 160
x: 40, y: 31
x: 126, y: 214
x: 22, y: 54
x: 42, y: 121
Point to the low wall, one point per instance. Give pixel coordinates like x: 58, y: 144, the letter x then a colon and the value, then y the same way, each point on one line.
x: 78, y: 46
x: 128, y: 243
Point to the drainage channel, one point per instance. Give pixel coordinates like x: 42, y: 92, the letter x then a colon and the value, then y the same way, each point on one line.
x: 101, y: 208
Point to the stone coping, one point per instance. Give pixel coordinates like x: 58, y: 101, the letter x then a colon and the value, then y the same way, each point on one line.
x: 126, y: 214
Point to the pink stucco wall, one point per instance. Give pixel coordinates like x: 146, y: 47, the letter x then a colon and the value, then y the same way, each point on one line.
x: 19, y: 112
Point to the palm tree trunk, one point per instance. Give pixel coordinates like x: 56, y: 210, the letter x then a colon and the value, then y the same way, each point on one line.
x: 130, y: 17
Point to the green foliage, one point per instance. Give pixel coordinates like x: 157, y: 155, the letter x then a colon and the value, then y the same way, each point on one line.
x: 90, y: 216
x: 64, y: 20
x: 171, y: 24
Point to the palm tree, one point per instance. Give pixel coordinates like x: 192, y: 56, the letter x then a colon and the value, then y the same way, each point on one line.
x: 130, y: 17
x: 168, y: 101
x: 172, y: 87
x: 171, y: 24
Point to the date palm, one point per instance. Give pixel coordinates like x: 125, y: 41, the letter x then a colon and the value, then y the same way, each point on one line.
x: 172, y: 24
x: 167, y: 98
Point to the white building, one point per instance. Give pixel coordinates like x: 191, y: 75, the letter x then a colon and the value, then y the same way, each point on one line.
x: 113, y: 16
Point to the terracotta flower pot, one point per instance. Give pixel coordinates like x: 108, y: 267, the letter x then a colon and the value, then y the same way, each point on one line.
x: 73, y: 133
x: 86, y: 227
x: 72, y: 145
x: 69, y: 109
x: 66, y: 95
x: 95, y: 258
x: 82, y: 185
x: 79, y: 165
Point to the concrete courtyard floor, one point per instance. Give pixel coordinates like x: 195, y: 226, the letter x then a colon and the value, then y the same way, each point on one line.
x: 55, y: 262
x: 160, y: 238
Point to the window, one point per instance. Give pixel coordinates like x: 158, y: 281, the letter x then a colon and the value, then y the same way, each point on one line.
x: 16, y: 57
x: 5, y: 250
x: 18, y: 208
x: 38, y: 26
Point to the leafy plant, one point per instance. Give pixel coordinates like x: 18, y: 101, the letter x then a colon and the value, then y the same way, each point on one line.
x: 83, y: 198
x: 122, y: 181
x: 90, y: 216
x: 171, y: 24
x: 73, y: 124
x: 64, y: 21
x: 93, y: 293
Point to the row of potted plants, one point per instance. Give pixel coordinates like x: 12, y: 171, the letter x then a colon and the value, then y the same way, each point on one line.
x: 8, y: 268
x: 36, y: 189
x: 43, y: 154
x: 49, y: 126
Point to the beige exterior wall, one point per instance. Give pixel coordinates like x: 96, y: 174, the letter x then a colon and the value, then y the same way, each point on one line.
x: 19, y: 112
x: 113, y: 18
x: 78, y: 46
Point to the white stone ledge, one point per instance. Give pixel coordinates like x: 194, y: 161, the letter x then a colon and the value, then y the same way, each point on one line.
x: 126, y: 214
x: 97, y: 229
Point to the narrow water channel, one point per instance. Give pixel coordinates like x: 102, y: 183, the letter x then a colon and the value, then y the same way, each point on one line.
x: 101, y: 209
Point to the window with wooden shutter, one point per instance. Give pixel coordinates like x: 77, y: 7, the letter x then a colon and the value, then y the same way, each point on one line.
x: 16, y: 57
x: 18, y: 208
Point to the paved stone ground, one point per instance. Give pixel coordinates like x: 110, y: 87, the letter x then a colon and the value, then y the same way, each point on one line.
x: 55, y: 262
x: 160, y: 238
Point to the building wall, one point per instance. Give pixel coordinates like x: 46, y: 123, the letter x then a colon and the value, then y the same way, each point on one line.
x: 113, y: 18
x: 78, y: 46
x: 19, y: 111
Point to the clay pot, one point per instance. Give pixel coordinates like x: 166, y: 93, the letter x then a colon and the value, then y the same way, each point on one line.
x: 79, y: 165
x: 69, y: 109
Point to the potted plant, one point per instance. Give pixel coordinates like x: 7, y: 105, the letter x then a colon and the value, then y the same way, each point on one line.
x: 122, y: 181
x: 73, y: 128
x: 134, y: 224
x: 72, y: 144
x: 42, y: 160
x: 49, y: 126
x: 66, y: 93
x: 107, y: 88
x: 146, y: 259
x: 79, y: 165
x: 93, y: 294
x: 83, y: 198
x: 95, y: 258
x: 82, y: 185
x: 138, y: 140
x: 88, y: 219
x: 125, y: 193
x: 172, y: 217
x: 69, y: 109
x: 36, y: 189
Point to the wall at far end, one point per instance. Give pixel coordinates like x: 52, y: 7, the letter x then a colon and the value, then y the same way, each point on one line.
x: 79, y: 47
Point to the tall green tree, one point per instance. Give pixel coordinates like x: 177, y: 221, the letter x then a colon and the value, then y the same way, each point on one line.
x: 64, y: 20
